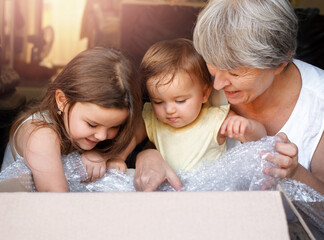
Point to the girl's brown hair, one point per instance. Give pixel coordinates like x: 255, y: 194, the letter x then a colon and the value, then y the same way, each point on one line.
x: 171, y: 56
x: 104, y: 77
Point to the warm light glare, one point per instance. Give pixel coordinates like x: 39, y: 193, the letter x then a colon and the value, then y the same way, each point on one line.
x: 66, y: 18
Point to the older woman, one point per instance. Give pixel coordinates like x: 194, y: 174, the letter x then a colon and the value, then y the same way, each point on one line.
x: 249, y: 47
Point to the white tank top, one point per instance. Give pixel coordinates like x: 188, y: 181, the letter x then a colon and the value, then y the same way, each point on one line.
x: 305, y: 125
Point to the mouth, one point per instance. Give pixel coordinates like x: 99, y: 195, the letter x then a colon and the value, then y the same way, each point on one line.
x: 231, y: 93
x: 91, y: 142
x: 173, y: 119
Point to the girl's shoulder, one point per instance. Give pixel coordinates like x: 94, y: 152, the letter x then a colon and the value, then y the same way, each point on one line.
x: 34, y: 136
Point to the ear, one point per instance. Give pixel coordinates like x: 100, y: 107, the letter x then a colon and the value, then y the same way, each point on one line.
x: 206, y: 92
x: 60, y: 99
x: 279, y: 69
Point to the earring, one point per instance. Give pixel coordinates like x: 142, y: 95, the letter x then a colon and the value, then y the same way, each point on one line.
x: 59, y: 112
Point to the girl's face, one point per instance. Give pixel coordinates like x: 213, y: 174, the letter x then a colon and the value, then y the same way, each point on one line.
x: 179, y: 102
x: 90, y: 124
x: 242, y: 85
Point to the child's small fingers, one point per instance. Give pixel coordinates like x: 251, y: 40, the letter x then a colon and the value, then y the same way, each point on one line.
x: 223, y: 127
x: 229, y: 129
x: 89, y: 171
x: 95, y: 174
x: 236, y: 128
x: 243, y: 128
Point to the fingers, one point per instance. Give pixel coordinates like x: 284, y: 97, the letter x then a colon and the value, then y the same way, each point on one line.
x: 234, y: 127
x: 269, y: 183
x: 95, y: 172
x: 285, y: 160
x: 117, y: 164
x: 174, y: 180
x: 147, y: 181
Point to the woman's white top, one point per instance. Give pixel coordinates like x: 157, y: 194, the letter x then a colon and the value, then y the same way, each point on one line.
x: 305, y: 125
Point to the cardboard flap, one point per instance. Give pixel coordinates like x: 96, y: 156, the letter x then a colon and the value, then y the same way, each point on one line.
x: 157, y: 215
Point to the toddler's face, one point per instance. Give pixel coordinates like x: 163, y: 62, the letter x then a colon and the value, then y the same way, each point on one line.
x: 90, y: 124
x: 177, y: 103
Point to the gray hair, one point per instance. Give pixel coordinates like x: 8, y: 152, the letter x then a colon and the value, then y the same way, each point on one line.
x: 246, y: 33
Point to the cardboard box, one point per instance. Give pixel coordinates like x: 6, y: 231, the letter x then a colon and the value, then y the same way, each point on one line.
x: 158, y: 215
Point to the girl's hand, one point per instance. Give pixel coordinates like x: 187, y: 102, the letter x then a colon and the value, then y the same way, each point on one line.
x: 151, y: 170
x: 235, y: 127
x: 118, y: 164
x: 95, y: 165
x: 286, y: 159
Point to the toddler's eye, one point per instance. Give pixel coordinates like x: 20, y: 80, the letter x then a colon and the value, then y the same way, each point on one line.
x: 181, y: 101
x: 91, y: 125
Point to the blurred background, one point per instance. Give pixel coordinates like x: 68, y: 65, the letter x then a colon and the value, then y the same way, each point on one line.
x: 38, y: 37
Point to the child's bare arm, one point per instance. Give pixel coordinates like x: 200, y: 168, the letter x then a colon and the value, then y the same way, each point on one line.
x: 41, y: 151
x: 119, y: 161
x: 241, y: 128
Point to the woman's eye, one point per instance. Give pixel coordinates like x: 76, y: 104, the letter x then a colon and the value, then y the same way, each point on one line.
x: 233, y: 74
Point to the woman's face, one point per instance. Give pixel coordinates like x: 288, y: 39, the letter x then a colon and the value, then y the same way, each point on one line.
x: 242, y: 85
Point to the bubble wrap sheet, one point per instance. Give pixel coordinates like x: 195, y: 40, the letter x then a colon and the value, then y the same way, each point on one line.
x: 239, y: 169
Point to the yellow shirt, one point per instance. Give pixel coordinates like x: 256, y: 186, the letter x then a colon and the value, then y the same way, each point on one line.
x: 184, y: 147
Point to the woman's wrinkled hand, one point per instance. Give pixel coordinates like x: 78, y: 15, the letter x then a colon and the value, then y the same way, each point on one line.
x: 151, y: 170
x: 285, y: 160
x: 95, y: 165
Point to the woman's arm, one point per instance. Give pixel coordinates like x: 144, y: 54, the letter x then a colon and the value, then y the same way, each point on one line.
x: 151, y: 170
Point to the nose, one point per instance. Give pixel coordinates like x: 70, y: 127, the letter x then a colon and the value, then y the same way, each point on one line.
x: 101, y: 134
x: 170, y: 108
x: 220, y: 79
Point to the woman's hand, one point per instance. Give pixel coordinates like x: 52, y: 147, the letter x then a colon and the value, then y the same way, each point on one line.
x: 286, y: 159
x: 95, y: 165
x: 151, y: 170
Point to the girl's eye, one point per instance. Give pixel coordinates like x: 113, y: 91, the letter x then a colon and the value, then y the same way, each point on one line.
x: 116, y: 127
x: 155, y: 102
x: 93, y: 126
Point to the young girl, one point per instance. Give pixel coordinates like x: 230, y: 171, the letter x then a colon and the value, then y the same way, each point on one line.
x: 93, y: 104
x: 180, y: 122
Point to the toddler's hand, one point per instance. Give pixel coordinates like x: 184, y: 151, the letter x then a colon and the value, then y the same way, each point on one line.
x: 95, y: 165
x: 235, y: 127
x: 118, y: 164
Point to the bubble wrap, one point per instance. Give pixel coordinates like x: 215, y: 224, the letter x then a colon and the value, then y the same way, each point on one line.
x: 240, y: 168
